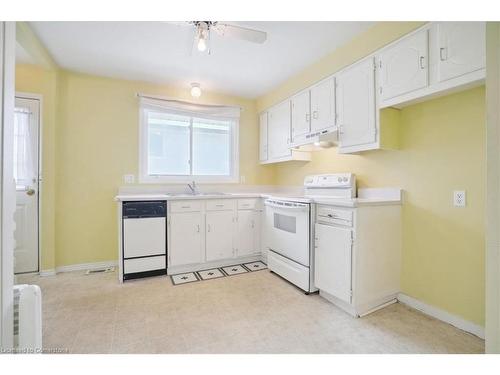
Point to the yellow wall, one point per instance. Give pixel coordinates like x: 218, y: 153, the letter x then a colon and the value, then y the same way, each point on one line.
x: 97, y: 142
x: 442, y: 149
x: 443, y: 246
x: 33, y: 79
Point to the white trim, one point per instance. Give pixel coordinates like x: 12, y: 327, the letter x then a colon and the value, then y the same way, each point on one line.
x: 78, y: 267
x: 86, y: 266
x: 7, y: 187
x: 144, y: 178
x: 39, y: 97
x: 50, y: 272
x: 442, y: 315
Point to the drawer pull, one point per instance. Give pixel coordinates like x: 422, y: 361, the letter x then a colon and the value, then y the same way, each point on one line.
x: 219, y: 205
x: 185, y: 206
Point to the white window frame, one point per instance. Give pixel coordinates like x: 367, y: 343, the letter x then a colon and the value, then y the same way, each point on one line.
x: 144, y: 177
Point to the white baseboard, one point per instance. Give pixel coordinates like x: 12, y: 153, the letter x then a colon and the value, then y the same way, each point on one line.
x: 442, y: 315
x: 50, y: 272
x: 79, y: 267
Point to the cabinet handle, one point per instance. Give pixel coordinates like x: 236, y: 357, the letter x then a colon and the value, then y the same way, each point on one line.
x: 253, y: 224
x: 198, y: 228
x: 308, y: 117
x: 442, y: 56
x: 209, y: 229
x: 315, y: 115
x: 219, y: 205
x: 185, y: 206
x: 422, y: 66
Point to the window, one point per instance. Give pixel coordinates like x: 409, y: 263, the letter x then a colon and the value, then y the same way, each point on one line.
x: 182, y: 142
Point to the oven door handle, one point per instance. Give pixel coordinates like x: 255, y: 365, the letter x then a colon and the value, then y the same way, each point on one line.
x: 299, y: 207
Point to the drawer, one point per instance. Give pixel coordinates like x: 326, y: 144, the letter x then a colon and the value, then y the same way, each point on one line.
x: 186, y: 206
x: 334, y: 215
x: 221, y: 204
x: 144, y: 264
x: 248, y: 204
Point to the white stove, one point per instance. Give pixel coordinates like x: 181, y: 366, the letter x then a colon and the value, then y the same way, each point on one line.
x: 289, y: 226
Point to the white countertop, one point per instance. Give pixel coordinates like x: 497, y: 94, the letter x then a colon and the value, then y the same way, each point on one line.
x: 384, y: 196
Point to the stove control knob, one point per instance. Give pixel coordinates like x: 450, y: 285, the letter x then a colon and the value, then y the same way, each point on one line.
x: 340, y: 179
x: 345, y: 179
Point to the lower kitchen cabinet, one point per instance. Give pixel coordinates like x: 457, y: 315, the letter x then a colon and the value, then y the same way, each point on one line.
x: 358, y: 256
x: 186, y: 241
x: 333, y: 253
x: 220, y: 228
x: 248, y: 233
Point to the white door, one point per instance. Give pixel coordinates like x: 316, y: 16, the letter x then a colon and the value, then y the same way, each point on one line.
x: 323, y: 105
x: 301, y: 114
x: 26, y: 143
x: 356, y: 104
x: 263, y: 137
x: 333, y: 262
x: 404, y: 66
x: 462, y: 48
x: 144, y: 237
x: 279, y: 130
x: 186, y: 245
x: 248, y: 231
x: 219, y: 235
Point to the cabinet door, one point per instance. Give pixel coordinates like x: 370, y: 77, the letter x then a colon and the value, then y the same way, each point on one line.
x: 333, y: 249
x: 248, y: 232
x: 279, y: 131
x: 323, y: 105
x: 301, y: 114
x: 263, y: 137
x: 462, y: 48
x: 404, y: 66
x: 186, y: 246
x: 219, y: 235
x: 356, y: 104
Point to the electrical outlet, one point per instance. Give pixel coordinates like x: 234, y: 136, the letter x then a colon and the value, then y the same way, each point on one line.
x: 459, y: 198
x: 128, y: 178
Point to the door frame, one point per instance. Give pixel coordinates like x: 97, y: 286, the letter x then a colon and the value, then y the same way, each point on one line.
x: 39, y: 97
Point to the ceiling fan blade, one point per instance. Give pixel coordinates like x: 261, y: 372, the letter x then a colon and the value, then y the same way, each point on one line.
x: 243, y: 33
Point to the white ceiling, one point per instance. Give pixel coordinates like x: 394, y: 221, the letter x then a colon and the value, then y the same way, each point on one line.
x: 160, y: 52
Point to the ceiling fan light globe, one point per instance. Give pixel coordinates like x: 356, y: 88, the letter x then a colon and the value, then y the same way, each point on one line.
x: 202, y: 45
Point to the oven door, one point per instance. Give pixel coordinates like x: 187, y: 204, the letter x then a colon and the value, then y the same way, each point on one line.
x: 287, y: 229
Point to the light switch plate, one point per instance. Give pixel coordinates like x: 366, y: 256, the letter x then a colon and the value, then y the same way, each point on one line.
x: 459, y: 198
x: 128, y: 178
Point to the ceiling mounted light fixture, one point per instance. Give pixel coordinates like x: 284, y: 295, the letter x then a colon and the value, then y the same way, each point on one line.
x: 195, y: 90
x: 203, y: 36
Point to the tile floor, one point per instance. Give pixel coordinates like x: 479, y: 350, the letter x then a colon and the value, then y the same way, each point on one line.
x: 256, y: 312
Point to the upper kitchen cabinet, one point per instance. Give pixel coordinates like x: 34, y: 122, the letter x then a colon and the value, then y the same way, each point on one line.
x: 301, y: 114
x: 356, y: 107
x: 277, y: 145
x: 437, y: 59
x: 462, y: 48
x: 403, y: 67
x: 263, y: 150
x: 323, y: 105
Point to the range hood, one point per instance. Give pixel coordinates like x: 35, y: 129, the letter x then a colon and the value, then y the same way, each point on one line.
x: 317, y: 140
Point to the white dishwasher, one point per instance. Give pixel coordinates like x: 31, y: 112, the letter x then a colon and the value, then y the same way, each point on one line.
x: 144, y: 239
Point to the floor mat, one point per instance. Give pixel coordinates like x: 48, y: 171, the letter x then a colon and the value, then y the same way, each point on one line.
x: 234, y: 270
x: 213, y: 273
x: 184, y: 278
x: 255, y: 266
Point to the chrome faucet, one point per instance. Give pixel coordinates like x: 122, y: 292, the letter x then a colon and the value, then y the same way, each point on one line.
x: 192, y: 187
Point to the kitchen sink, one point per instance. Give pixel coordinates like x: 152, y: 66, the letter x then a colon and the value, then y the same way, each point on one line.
x: 196, y: 195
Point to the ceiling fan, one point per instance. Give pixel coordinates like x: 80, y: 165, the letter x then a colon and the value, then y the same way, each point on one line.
x: 204, y: 28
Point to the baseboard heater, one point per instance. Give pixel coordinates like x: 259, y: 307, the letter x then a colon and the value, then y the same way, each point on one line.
x: 27, y: 318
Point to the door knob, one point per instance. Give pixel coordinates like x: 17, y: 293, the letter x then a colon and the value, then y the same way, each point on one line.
x: 30, y: 191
